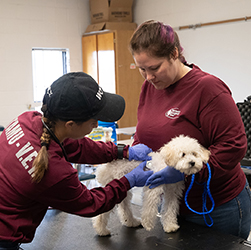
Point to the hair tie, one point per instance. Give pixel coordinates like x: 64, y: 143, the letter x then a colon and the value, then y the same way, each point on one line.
x: 44, y: 144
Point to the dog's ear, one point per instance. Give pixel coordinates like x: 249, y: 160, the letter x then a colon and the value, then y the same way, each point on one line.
x: 167, y: 153
x: 205, y: 154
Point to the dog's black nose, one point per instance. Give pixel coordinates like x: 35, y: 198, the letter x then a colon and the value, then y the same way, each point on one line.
x: 192, y: 163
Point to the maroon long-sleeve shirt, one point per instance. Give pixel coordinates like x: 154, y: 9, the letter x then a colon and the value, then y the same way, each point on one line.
x: 198, y: 105
x: 23, y: 203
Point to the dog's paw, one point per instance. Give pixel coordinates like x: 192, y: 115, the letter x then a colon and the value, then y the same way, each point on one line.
x: 171, y: 227
x: 100, y: 225
x: 148, y: 225
x: 103, y: 231
x: 132, y: 222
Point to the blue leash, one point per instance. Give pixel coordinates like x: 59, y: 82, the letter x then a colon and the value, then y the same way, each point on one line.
x: 204, y: 198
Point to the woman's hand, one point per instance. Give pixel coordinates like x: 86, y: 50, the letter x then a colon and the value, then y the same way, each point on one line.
x: 139, y: 152
x: 165, y: 176
x: 138, y: 176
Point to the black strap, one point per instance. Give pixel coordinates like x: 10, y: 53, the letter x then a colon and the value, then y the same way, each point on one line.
x: 120, y: 150
x: 55, y: 139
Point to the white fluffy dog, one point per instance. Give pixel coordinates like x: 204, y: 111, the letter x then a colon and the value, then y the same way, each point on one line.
x: 183, y: 153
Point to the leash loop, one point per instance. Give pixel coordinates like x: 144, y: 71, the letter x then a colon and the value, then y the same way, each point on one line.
x: 204, y: 198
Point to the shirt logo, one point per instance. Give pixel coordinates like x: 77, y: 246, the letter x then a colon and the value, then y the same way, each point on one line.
x: 100, y: 93
x: 173, y: 113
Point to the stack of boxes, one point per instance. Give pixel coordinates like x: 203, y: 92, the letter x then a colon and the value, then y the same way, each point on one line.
x: 110, y: 15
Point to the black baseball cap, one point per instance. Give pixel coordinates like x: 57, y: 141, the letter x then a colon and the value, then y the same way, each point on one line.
x: 77, y: 96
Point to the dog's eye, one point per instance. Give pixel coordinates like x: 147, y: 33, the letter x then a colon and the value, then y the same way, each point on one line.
x: 183, y: 154
x: 195, y: 154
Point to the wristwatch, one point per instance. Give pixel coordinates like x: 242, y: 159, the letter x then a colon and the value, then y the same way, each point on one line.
x: 120, y: 150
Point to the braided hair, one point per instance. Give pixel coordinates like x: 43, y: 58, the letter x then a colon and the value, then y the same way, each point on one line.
x: 41, y: 162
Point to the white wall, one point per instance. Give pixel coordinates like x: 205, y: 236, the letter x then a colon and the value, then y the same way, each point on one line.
x: 223, y: 50
x: 35, y: 23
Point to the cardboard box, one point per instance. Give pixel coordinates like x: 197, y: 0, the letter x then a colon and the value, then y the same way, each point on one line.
x: 111, y: 26
x: 110, y: 10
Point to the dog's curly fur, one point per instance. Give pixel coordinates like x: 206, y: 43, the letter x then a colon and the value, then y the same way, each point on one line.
x: 183, y: 153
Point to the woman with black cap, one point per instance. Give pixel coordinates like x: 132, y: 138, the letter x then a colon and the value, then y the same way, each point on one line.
x: 37, y: 151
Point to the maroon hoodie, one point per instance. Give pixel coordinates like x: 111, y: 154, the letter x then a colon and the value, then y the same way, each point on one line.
x: 198, y: 105
x: 23, y: 203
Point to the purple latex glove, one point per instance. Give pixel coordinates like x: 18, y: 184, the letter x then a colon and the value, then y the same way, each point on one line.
x: 138, y: 176
x: 167, y: 175
x: 139, y: 152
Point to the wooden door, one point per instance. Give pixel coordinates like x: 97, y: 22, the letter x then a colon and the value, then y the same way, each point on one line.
x: 107, y: 59
x: 128, y: 79
x: 89, y: 55
x: 106, y: 62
